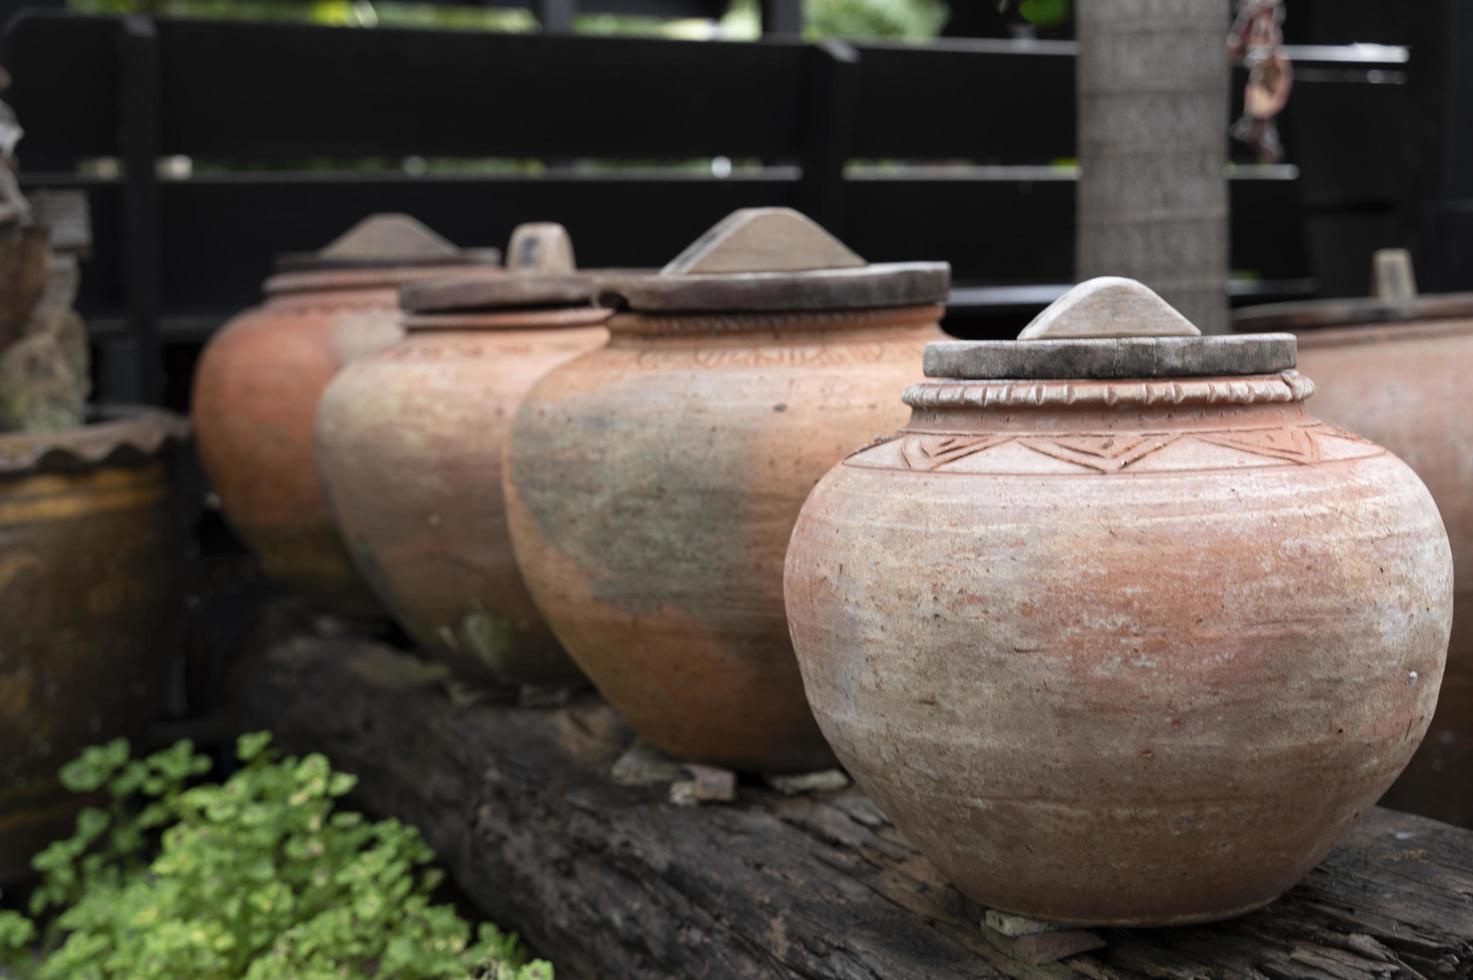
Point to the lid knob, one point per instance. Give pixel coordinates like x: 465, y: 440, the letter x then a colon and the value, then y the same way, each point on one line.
x: 381, y: 237
x: 763, y: 240
x: 540, y: 246
x: 1392, y: 270
x: 1109, y: 306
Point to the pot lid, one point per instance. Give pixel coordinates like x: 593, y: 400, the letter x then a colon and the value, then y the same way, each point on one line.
x: 386, y: 241
x: 770, y: 259
x: 1110, y: 329
x: 1395, y: 301
x: 540, y: 273
x: 519, y: 289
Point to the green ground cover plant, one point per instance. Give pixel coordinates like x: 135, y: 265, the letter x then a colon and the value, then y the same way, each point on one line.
x: 261, y: 876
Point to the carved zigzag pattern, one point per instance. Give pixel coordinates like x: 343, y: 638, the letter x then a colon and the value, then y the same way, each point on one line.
x: 1114, y: 452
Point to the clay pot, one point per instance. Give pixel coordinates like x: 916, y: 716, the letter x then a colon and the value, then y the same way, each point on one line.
x: 1397, y: 372
x: 89, y: 595
x: 1115, y: 630
x: 651, y: 485
x: 259, y: 380
x: 409, y: 445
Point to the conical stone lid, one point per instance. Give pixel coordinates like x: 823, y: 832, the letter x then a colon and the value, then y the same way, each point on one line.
x: 386, y: 241
x: 773, y: 259
x: 1110, y: 328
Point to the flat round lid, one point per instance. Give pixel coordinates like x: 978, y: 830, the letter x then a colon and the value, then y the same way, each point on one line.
x: 511, y: 291
x: 383, y: 241
x: 1318, y: 314
x: 1110, y: 329
x: 773, y: 259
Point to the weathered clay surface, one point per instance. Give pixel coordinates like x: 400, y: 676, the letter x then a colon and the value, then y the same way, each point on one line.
x: 88, y: 594
x: 651, y: 489
x: 409, y: 447
x: 1405, y: 385
x: 256, y: 390
x: 1121, y: 652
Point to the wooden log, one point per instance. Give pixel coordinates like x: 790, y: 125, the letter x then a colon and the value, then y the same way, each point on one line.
x: 613, y: 881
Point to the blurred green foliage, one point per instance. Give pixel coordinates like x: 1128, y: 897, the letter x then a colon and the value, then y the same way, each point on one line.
x: 907, y: 20
x: 1044, y: 13
x: 262, y: 876
x: 896, y: 19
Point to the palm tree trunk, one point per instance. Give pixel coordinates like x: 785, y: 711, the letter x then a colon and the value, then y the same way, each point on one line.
x: 1153, y: 108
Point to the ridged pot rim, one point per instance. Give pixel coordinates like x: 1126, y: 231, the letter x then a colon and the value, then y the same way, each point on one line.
x: 947, y: 394
x: 118, y: 435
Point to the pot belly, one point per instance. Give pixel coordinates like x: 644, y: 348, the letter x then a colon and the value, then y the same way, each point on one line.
x: 1123, y: 698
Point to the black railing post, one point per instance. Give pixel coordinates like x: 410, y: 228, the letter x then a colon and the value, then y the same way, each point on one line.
x: 138, y: 139
x: 1448, y: 216
x: 556, y: 16
x: 833, y: 98
x: 782, y: 18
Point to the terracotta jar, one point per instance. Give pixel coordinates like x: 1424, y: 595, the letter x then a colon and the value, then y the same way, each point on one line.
x: 409, y: 445
x: 1397, y: 372
x: 1114, y: 629
x: 259, y: 379
x: 89, y: 597
x: 651, y: 485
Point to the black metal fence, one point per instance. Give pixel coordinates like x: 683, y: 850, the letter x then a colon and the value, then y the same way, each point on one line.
x: 950, y: 150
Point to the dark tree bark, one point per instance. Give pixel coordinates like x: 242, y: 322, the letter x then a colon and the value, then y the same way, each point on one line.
x: 616, y: 882
x: 1153, y: 106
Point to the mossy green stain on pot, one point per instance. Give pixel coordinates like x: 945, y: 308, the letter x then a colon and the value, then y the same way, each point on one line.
x: 651, y: 488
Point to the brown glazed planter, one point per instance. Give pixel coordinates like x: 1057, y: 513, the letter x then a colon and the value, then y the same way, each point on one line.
x: 651, y: 485
x: 409, y: 444
x: 89, y: 594
x: 1398, y: 372
x: 1115, y: 630
x: 259, y: 380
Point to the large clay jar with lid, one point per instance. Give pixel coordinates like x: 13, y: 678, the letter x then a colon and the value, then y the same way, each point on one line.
x: 259, y: 379
x: 90, y: 600
x: 1114, y: 628
x: 651, y: 485
x: 409, y: 442
x: 1397, y: 371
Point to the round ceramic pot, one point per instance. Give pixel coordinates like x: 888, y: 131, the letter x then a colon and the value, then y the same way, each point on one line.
x: 259, y: 380
x: 651, y: 485
x: 1397, y: 372
x: 1115, y: 630
x: 89, y: 597
x: 409, y: 445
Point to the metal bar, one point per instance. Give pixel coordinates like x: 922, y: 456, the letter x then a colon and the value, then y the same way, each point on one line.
x: 782, y: 18
x: 832, y: 112
x: 138, y: 121
x: 555, y: 16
